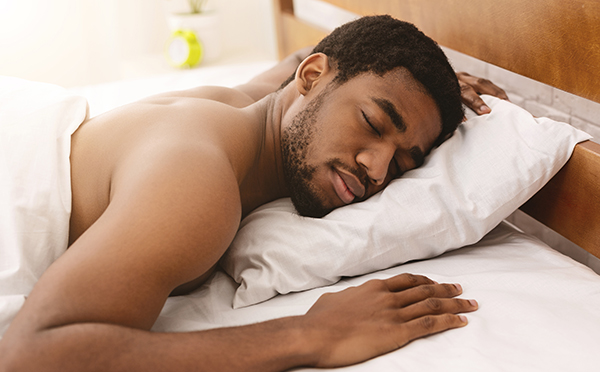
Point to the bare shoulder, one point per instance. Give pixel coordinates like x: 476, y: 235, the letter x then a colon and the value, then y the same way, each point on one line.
x: 182, y: 198
x: 162, y: 128
x: 169, y: 207
x: 171, y: 216
x: 230, y: 96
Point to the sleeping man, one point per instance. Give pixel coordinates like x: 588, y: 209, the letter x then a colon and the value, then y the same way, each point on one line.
x: 159, y: 188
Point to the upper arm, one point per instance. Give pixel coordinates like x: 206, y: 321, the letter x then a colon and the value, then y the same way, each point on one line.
x: 270, y: 80
x: 168, y: 222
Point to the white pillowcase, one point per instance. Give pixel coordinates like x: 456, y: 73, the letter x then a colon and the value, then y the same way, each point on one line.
x: 468, y: 185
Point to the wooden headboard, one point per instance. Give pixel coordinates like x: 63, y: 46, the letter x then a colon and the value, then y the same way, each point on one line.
x: 556, y: 42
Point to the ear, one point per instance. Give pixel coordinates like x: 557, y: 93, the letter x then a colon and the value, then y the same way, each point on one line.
x: 311, y: 71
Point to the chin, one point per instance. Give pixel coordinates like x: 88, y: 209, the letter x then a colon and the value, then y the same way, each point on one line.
x: 313, y: 211
x: 309, y: 204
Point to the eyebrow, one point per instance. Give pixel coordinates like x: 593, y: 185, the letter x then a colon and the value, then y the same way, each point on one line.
x: 389, y: 108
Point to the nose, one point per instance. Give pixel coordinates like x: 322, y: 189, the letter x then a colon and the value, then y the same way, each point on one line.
x: 376, y: 162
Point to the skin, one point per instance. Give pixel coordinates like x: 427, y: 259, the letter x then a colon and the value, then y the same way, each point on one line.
x: 472, y: 86
x: 159, y: 188
x: 373, y: 150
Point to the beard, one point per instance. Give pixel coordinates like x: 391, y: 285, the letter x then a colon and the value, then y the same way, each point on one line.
x: 298, y: 174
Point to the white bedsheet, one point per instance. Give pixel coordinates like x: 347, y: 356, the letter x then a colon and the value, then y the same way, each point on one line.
x: 538, y: 310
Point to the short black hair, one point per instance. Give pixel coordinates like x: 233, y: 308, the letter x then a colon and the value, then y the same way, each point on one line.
x: 379, y: 44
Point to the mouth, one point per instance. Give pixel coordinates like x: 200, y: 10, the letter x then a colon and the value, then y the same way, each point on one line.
x: 347, y: 186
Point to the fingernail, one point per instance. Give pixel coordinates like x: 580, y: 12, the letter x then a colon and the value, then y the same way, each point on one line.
x: 458, y: 287
x: 473, y: 303
x: 485, y: 109
x: 463, y: 319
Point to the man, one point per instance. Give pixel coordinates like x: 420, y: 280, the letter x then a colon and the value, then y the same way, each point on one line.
x: 159, y: 188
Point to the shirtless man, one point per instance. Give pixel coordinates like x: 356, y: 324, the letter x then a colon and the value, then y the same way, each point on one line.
x: 159, y: 188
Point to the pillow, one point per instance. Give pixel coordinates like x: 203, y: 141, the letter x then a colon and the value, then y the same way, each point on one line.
x: 487, y: 169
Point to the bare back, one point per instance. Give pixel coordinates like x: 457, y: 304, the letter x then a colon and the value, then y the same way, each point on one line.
x: 109, y: 148
x: 127, y: 163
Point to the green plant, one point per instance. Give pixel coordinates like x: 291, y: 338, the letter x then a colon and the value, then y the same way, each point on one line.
x: 196, y: 6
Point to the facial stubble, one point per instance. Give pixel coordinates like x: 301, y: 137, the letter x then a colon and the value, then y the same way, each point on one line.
x: 295, y: 143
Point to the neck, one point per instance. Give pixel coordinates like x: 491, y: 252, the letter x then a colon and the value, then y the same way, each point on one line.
x: 264, y: 182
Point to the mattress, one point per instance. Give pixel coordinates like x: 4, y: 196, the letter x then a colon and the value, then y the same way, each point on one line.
x: 538, y: 309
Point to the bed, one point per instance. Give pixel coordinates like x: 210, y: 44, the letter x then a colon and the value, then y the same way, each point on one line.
x: 560, y: 42
x: 528, y: 317
x: 539, y: 308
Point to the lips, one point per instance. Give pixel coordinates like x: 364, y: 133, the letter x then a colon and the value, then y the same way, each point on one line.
x: 347, y: 186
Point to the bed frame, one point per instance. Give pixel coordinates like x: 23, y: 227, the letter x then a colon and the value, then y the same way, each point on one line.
x: 555, y: 42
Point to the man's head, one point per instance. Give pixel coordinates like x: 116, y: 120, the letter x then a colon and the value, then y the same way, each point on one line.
x: 381, y: 43
x: 390, y: 96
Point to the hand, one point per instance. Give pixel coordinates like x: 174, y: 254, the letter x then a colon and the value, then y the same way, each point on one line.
x: 379, y: 316
x: 471, y: 87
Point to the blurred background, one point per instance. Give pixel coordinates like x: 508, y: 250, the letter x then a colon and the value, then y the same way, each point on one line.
x: 80, y: 42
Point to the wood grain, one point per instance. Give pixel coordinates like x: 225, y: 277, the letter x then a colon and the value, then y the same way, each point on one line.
x: 556, y: 42
x: 293, y: 34
x: 570, y: 203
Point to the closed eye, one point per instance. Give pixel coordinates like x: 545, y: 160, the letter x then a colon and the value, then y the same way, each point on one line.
x: 398, y: 171
x: 371, y: 125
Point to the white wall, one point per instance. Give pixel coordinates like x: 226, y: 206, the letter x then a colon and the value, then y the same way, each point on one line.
x: 248, y: 27
x: 79, y: 42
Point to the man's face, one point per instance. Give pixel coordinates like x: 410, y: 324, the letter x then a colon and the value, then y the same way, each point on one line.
x: 351, y: 140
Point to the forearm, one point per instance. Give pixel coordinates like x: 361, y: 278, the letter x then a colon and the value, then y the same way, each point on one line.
x: 280, y: 72
x: 340, y: 329
x: 270, y: 80
x: 254, y: 90
x: 270, y: 346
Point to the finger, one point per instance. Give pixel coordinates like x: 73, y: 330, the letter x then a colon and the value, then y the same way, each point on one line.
x: 436, y: 306
x: 405, y: 281
x: 420, y: 293
x: 470, y: 98
x: 484, y: 86
x: 461, y: 75
x: 431, y: 324
x: 481, y: 85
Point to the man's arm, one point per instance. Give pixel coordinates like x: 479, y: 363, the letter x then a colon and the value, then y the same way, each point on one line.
x: 254, y: 90
x: 472, y: 86
x: 270, y: 80
x: 93, y: 308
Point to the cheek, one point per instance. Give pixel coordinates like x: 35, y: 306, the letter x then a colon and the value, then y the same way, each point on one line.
x: 318, y: 148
